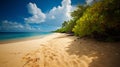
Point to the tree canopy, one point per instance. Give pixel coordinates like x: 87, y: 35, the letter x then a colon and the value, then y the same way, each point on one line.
x: 101, y: 19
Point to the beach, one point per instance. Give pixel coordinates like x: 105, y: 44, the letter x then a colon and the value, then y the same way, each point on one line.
x: 59, y: 50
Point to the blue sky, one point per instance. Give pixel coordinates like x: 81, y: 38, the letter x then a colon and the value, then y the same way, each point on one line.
x: 35, y: 15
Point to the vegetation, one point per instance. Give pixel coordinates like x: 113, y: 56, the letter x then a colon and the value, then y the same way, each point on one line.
x: 100, y: 20
x: 68, y: 26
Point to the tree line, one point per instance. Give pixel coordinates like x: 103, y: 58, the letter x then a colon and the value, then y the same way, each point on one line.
x: 100, y: 20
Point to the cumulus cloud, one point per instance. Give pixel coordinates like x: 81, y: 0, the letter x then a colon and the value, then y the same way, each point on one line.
x: 62, y: 12
x: 16, y: 26
x: 48, y: 21
x: 90, y: 2
x: 8, y: 25
x: 56, y: 15
x: 37, y: 15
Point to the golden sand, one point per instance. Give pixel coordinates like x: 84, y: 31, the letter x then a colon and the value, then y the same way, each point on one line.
x: 49, y: 51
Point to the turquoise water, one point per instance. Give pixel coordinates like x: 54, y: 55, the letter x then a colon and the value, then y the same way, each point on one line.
x: 16, y: 35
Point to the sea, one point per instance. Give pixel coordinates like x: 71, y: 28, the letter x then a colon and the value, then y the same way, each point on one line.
x: 18, y: 35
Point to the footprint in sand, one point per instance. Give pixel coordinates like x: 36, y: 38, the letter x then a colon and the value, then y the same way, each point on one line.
x: 48, y: 57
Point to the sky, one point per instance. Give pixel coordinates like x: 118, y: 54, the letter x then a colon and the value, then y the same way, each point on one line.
x: 35, y: 15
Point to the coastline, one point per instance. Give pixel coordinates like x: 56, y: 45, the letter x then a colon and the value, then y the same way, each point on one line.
x: 59, y: 50
x: 23, y: 39
x: 11, y: 54
x: 48, y: 51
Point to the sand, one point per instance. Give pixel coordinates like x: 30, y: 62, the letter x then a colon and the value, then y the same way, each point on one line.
x: 49, y: 51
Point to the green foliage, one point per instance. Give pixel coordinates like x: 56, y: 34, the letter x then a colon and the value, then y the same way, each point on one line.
x: 64, y: 24
x: 76, y: 14
x: 89, y: 22
x: 68, y: 26
x: 62, y: 30
x: 102, y: 18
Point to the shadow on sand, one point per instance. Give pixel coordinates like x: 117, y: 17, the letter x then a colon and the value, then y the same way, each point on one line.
x: 108, y: 53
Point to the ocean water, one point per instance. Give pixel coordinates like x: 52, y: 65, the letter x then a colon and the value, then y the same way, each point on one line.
x: 17, y: 35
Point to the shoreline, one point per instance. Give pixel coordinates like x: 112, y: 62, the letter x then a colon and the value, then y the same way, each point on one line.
x: 23, y: 39
x: 11, y: 54
x: 48, y: 51
x: 59, y: 50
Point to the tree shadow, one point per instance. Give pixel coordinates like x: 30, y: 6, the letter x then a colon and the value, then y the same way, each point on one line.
x: 108, y: 53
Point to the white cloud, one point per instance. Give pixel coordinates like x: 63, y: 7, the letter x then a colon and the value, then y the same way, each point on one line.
x: 8, y: 25
x: 37, y: 15
x: 16, y: 26
x: 28, y: 27
x: 90, y: 2
x: 51, y: 20
x: 61, y: 12
x: 56, y: 15
x: 52, y: 17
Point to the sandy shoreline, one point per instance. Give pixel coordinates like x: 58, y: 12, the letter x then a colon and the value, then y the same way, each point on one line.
x: 24, y: 53
x: 16, y: 50
x: 23, y: 39
x: 59, y: 50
